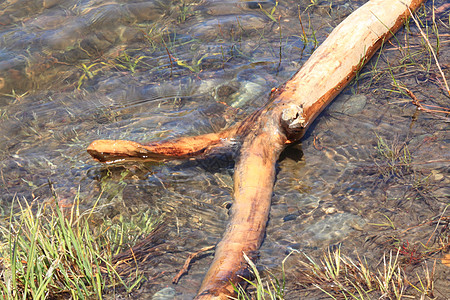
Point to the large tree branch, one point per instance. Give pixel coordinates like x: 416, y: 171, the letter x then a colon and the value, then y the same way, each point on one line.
x: 253, y: 183
x: 284, y: 119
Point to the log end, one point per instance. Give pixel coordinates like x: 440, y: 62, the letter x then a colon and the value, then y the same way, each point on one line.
x: 117, y: 150
x: 216, y: 294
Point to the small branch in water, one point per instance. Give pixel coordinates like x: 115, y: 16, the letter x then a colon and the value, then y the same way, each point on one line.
x: 170, y: 58
x: 426, y: 107
x: 185, y: 267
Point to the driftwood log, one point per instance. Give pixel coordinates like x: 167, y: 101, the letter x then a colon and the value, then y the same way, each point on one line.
x: 264, y: 134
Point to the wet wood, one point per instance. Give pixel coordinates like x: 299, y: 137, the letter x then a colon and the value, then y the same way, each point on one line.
x: 283, y: 120
x: 110, y: 151
x: 446, y: 260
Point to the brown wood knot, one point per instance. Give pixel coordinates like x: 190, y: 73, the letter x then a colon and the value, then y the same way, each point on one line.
x: 292, y: 118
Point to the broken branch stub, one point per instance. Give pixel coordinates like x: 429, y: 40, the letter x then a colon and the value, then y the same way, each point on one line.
x: 264, y: 134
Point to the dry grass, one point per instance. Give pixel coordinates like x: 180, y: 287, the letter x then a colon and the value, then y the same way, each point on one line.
x: 341, y: 277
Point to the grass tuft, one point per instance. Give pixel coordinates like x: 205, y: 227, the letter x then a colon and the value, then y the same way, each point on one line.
x: 50, y: 252
x: 273, y: 288
x: 396, y: 158
x: 341, y: 277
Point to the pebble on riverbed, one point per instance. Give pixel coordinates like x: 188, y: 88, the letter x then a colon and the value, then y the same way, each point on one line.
x: 348, y: 104
x: 167, y: 293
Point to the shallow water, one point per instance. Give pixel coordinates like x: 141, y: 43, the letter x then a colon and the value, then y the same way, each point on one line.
x: 75, y: 71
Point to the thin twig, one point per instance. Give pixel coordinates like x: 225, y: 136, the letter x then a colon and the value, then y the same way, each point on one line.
x: 424, y: 107
x: 170, y: 57
x: 437, y: 225
x: 301, y: 24
x: 185, y: 267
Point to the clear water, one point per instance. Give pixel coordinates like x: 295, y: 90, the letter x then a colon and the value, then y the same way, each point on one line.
x: 75, y: 71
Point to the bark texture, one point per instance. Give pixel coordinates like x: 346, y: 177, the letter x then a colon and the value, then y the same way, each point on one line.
x: 264, y: 134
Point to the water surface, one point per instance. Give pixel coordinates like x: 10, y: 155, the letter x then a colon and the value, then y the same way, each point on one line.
x: 75, y: 71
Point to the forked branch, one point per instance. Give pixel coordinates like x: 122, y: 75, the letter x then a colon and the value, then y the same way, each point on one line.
x: 264, y: 134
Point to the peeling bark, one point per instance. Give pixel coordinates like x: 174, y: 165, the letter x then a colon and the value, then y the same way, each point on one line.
x: 264, y: 134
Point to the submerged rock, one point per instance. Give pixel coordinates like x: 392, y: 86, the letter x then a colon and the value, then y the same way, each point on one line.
x: 349, y: 104
x: 237, y: 94
x: 333, y: 228
x: 167, y: 293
